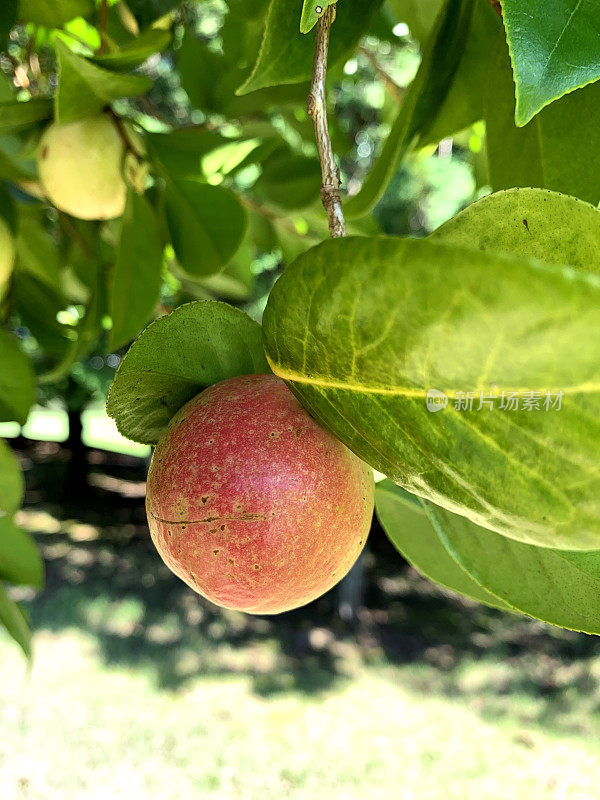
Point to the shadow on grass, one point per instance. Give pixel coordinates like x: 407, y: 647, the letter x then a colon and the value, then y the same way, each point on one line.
x: 104, y: 577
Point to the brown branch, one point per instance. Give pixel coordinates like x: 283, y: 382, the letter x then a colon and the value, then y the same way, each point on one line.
x: 317, y: 109
x: 102, y: 25
x: 495, y: 4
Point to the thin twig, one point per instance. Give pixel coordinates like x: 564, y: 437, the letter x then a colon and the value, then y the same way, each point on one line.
x: 317, y: 109
x: 77, y: 236
x: 102, y: 25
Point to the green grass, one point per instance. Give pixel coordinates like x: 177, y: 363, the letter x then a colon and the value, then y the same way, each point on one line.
x: 140, y: 689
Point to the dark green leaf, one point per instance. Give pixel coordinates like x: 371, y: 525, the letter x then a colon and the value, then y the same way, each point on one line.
x: 15, y: 115
x: 182, y: 152
x: 8, y: 17
x: 362, y: 329
x: 419, y: 108
x: 146, y: 11
x: 14, y: 620
x: 136, y: 52
x: 556, y: 586
x: 410, y: 530
x: 289, y: 181
x: 12, y: 485
x: 207, y: 224
x: 175, y: 358
x: 557, y: 150
x: 286, y: 55
x: 38, y: 304
x: 53, y: 13
x: 84, y: 89
x: 20, y: 561
x: 16, y: 381
x: 137, y: 275
x: 464, y: 103
x: 555, y: 48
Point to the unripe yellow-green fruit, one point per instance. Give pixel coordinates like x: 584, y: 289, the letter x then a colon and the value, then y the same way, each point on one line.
x: 7, y: 253
x: 80, y: 168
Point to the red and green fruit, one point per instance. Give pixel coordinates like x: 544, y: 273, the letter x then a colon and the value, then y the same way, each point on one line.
x: 252, y: 503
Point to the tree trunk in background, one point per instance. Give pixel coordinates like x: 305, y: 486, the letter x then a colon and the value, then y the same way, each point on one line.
x: 77, y: 470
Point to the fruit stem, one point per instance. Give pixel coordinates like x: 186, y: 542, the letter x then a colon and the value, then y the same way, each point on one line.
x: 317, y: 109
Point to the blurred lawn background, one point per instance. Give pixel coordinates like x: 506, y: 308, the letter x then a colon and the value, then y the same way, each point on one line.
x: 140, y: 689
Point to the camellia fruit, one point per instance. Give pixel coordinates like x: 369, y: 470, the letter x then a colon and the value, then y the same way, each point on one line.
x: 252, y: 503
x: 7, y: 253
x: 81, y: 168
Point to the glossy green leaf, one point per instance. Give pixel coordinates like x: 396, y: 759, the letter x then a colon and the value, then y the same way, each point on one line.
x: 555, y: 48
x: 137, y: 273
x: 557, y: 586
x: 53, y: 13
x: 13, y: 619
x: 312, y: 11
x: 207, y: 224
x: 423, y: 100
x: 363, y: 329
x: 12, y: 485
x: 36, y: 248
x: 530, y: 222
x: 16, y: 381
x: 183, y: 153
x: 412, y: 533
x: 84, y: 89
x: 20, y: 561
x: 136, y: 52
x: 16, y: 115
x: 286, y: 56
x: 289, y: 181
x: 175, y: 358
x: 557, y: 150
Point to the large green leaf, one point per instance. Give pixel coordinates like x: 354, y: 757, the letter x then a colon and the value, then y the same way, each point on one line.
x: 14, y: 620
x: 557, y: 150
x: 16, y: 381
x: 84, y: 89
x: 422, y: 103
x: 12, y: 485
x: 20, y: 561
x: 175, y: 358
x: 38, y: 305
x: 137, y: 274
x: 207, y: 224
x: 410, y: 530
x: 16, y: 115
x: 53, y: 13
x: 363, y: 329
x: 286, y: 56
x: 530, y: 222
x: 555, y: 48
x: 557, y: 586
